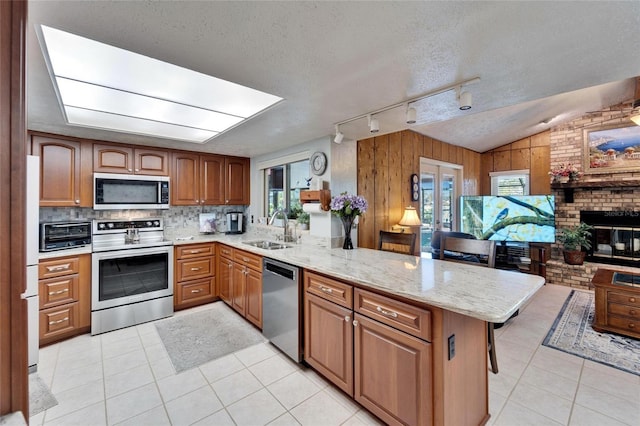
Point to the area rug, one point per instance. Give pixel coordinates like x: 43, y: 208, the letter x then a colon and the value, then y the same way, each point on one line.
x: 40, y: 396
x: 194, y: 339
x: 572, y: 333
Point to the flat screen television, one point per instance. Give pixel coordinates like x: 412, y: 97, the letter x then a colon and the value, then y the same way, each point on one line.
x: 509, y: 218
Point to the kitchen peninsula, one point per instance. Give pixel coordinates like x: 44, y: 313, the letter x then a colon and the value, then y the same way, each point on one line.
x: 410, y: 338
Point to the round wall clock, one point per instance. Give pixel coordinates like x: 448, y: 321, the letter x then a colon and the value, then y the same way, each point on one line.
x: 318, y: 163
x: 415, y: 188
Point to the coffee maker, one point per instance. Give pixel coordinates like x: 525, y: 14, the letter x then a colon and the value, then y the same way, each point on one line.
x: 235, y: 223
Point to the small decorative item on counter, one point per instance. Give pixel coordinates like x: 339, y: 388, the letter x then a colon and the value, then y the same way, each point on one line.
x: 565, y: 173
x: 347, y: 207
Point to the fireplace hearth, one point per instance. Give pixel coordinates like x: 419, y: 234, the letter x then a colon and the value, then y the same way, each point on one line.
x: 615, y: 238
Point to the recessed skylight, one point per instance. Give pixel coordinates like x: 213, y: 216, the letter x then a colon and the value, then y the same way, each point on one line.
x: 106, y: 87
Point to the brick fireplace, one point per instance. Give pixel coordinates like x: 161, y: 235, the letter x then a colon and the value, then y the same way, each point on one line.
x: 611, y: 192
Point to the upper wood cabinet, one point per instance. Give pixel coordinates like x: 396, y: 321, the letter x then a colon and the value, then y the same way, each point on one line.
x: 209, y: 179
x: 65, y: 171
x: 127, y: 160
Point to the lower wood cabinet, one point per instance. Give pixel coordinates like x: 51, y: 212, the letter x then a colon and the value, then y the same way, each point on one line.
x: 617, y: 306
x: 194, y: 271
x: 64, y: 289
x: 240, y: 282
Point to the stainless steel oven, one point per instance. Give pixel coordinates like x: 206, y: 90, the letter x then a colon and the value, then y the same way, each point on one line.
x: 132, y: 278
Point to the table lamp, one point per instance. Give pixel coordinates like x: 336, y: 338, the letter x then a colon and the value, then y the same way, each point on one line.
x: 410, y: 218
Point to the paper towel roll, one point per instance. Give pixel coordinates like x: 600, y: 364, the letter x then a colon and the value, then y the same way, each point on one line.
x: 312, y: 208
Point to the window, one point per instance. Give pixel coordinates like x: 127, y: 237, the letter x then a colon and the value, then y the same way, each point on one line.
x: 283, y: 185
x: 515, y: 182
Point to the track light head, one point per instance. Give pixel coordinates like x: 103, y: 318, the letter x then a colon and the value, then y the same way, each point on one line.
x: 374, y: 125
x: 465, y: 101
x: 339, y: 136
x: 411, y: 115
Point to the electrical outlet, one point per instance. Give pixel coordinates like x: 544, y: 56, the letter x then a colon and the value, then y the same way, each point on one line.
x: 452, y: 346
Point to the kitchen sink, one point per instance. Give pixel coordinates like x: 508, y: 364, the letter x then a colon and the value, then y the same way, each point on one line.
x: 268, y: 245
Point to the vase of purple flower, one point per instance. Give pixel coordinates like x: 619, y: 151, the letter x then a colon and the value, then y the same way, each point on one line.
x: 347, y: 207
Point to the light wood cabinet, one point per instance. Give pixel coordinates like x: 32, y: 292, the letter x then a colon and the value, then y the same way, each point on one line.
x: 241, y: 282
x: 617, y: 306
x: 112, y: 158
x: 209, y: 180
x: 65, y: 171
x: 195, y: 275
x: 65, y: 297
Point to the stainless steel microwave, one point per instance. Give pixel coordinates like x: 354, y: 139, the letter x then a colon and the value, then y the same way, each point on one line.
x: 118, y: 191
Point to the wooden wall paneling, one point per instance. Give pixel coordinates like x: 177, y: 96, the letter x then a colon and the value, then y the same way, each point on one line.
x: 471, y: 172
x: 381, y: 218
x: 453, y: 154
x: 366, y: 188
x: 486, y: 167
x: 14, y: 392
x: 501, y: 161
x: 541, y: 139
x: 460, y: 155
x: 520, y: 159
x: 411, y: 152
x: 539, y: 172
x: 397, y: 186
x: 437, y: 149
x: 427, y: 147
x: 522, y: 143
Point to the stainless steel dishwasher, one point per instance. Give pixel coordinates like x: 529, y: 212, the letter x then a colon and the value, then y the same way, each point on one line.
x: 281, y: 307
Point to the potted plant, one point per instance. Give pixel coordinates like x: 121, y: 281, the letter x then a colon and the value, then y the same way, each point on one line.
x: 573, y: 240
x: 303, y: 220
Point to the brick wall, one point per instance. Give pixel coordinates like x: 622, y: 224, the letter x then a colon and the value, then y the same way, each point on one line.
x: 566, y: 146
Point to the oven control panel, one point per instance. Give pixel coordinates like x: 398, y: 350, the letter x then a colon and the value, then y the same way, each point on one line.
x: 120, y: 226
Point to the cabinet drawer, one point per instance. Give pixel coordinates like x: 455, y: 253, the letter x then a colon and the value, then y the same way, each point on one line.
x: 57, y: 267
x: 624, y: 298
x: 58, y: 320
x: 624, y: 310
x: 225, y: 251
x: 329, y: 289
x: 626, y: 324
x: 402, y: 316
x: 57, y: 291
x: 195, y: 290
x: 191, y: 269
x: 195, y: 250
x: 250, y: 260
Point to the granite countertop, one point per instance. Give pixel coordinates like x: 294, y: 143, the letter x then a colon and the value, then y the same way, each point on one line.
x: 487, y: 294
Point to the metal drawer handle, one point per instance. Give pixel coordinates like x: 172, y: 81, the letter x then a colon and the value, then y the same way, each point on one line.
x: 195, y: 269
x: 196, y: 291
x: 58, y: 268
x: 245, y: 259
x: 194, y: 251
x: 632, y: 299
x: 52, y: 293
x: 347, y: 318
x: 59, y: 321
x: 387, y: 313
x: 326, y: 289
x: 632, y: 325
x: 355, y: 323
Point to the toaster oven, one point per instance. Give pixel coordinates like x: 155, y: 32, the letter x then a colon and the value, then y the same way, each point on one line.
x: 64, y: 235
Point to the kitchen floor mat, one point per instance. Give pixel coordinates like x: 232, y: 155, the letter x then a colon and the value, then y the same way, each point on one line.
x: 40, y: 396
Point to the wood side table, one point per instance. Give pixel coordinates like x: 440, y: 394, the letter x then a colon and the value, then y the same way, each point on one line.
x: 617, y: 295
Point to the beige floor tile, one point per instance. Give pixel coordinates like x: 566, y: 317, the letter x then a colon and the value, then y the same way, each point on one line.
x: 255, y: 354
x: 558, y: 363
x: 69, y: 378
x: 542, y: 402
x: 193, y: 406
x: 117, y: 335
x: 582, y: 416
x: 514, y: 414
x: 162, y: 368
x: 219, y: 418
x: 76, y: 399
x: 123, y: 362
x: 549, y: 382
x: 93, y: 415
x: 155, y: 352
x: 363, y: 418
x: 322, y: 410
x: 293, y: 389
x: 511, y: 366
x: 259, y: 408
x: 172, y: 387
x: 221, y: 367
x: 285, y: 420
x: 612, y: 381
x: 155, y: 417
x: 502, y: 383
x: 236, y: 386
x: 271, y: 369
x: 132, y: 403
x: 121, y: 347
x: 496, y: 403
x: 128, y: 380
x: 610, y: 405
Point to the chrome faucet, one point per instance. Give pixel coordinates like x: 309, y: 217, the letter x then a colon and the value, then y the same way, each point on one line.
x: 287, y: 235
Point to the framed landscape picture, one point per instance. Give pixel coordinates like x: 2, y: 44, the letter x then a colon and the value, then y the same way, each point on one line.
x: 612, y: 148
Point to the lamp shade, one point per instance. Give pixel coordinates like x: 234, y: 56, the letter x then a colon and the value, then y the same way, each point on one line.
x: 636, y: 119
x: 410, y: 217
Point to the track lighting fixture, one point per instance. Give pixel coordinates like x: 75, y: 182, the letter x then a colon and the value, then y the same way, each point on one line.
x: 465, y: 100
x: 339, y: 136
x: 374, y: 125
x: 411, y: 115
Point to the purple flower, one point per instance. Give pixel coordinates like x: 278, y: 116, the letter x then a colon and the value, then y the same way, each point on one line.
x: 346, y: 205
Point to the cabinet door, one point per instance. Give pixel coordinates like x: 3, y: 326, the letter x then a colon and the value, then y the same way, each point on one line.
x: 224, y: 279
x: 237, y: 188
x: 185, y: 179
x: 212, y: 179
x: 239, y: 288
x: 151, y: 162
x: 328, y: 340
x: 254, y: 297
x: 112, y: 159
x: 392, y: 373
x: 63, y: 181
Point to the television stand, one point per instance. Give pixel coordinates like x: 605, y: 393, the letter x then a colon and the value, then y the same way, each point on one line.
x: 539, y: 254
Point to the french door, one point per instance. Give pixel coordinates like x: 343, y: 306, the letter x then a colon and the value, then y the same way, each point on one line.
x: 441, y: 184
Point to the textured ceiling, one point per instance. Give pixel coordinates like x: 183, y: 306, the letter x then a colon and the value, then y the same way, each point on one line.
x: 332, y: 61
